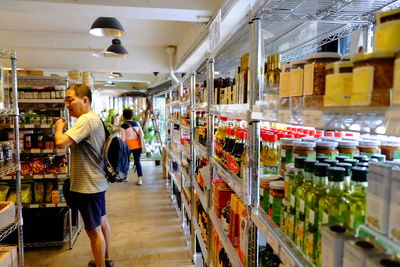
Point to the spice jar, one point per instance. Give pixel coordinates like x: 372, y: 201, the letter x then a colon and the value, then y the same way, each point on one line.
x: 372, y: 79
x: 304, y: 149
x: 286, y: 152
x: 387, y: 30
x: 314, y: 77
x: 276, y: 194
x: 391, y: 149
x: 284, y: 86
x: 328, y: 149
x: 296, y: 83
x: 338, y: 83
x: 369, y: 148
x: 265, y: 181
x: 348, y: 148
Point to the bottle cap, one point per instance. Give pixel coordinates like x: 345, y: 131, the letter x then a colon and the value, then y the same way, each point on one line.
x: 318, y: 135
x: 299, y: 162
x: 329, y: 133
x: 321, y: 169
x: 280, y: 135
x: 362, y: 164
x: 327, y: 144
x: 349, y: 134
x: 312, y: 132
x: 331, y: 162
x: 272, y: 138
x: 269, y: 177
x: 289, y: 136
x: 360, y: 157
x: 338, y: 134
x: 287, y: 141
x: 289, y: 167
x: 319, y: 132
x: 278, y: 185
x: 309, y: 165
x: 306, y: 131
x: 322, y: 158
x: 372, y: 160
x: 369, y: 143
x: 346, y: 166
x: 341, y: 158
x: 380, y: 158
x: 336, y: 174
x: 348, y: 143
x: 353, y: 162
x: 359, y: 174
x: 309, y: 145
x: 310, y: 139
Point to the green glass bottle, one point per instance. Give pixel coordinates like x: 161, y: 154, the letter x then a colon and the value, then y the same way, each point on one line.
x: 293, y: 185
x: 312, y: 237
x: 347, y: 176
x: 301, y: 192
x: 288, y: 178
x: 357, y: 197
x: 334, y: 207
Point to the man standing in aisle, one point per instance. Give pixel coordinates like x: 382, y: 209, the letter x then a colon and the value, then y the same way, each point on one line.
x: 88, y: 182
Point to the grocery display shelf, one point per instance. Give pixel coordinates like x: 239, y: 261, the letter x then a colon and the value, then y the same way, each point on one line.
x: 200, y: 239
x: 75, y: 234
x: 289, y: 254
x: 44, y: 205
x: 175, y: 179
x: 200, y: 107
x: 185, y: 174
x: 42, y: 101
x: 175, y: 205
x: 230, y: 250
x: 388, y: 244
x: 44, y: 151
x: 200, y: 194
x: 186, y: 205
x: 7, y: 112
x: 35, y: 126
x: 234, y: 111
x: 185, y: 127
x: 6, y: 231
x: 234, y: 182
x: 37, y: 177
x: 372, y: 120
x: 6, y: 169
x: 199, y: 147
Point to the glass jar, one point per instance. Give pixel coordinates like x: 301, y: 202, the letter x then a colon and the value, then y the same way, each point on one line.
x: 328, y: 149
x: 289, y: 175
x: 396, y: 79
x: 7, y: 150
x: 391, y: 149
x: 286, y: 152
x: 296, y: 83
x: 284, y: 86
x: 387, y: 30
x: 305, y: 150
x: 314, y: 77
x: 276, y: 194
x: 338, y: 80
x: 372, y: 79
x: 265, y: 181
x: 369, y: 148
x: 348, y: 148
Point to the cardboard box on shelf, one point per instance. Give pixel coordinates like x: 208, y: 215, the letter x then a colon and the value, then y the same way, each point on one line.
x: 243, y: 229
x: 221, y: 196
x: 234, y: 221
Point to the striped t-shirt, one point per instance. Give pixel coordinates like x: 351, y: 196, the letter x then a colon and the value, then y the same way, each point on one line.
x: 87, y: 167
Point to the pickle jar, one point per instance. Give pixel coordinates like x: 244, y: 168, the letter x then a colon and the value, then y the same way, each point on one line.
x: 305, y: 150
x: 286, y: 152
x: 314, y: 77
x: 372, y: 79
x: 338, y: 83
x: 296, y: 83
x: 276, y: 195
x: 348, y: 148
x: 391, y: 149
x: 265, y: 181
x: 329, y: 149
x: 369, y: 148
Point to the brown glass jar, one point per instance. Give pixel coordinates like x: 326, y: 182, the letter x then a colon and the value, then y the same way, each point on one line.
x: 369, y: 147
x: 305, y: 150
x: 373, y: 79
x: 328, y: 149
x: 348, y: 148
x: 391, y: 149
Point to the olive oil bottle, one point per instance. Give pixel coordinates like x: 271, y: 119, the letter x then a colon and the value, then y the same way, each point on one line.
x: 357, y: 197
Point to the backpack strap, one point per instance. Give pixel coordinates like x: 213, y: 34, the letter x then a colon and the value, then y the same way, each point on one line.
x: 105, y: 129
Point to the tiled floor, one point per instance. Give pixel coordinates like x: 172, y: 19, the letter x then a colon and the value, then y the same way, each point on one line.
x: 146, y: 230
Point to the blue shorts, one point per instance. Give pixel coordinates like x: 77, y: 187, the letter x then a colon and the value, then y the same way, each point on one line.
x: 91, y: 207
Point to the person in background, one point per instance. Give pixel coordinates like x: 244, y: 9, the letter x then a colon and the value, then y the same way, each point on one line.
x: 88, y: 181
x: 132, y: 134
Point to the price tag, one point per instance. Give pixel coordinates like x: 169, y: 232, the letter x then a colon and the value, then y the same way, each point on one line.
x: 37, y: 176
x: 50, y: 205
x: 51, y: 176
x: 313, y: 118
x: 30, y: 126
x: 62, y: 205
x: 45, y: 126
x: 61, y: 151
x: 34, y: 206
x: 273, y: 242
x: 286, y: 258
x: 392, y: 119
x: 35, y: 150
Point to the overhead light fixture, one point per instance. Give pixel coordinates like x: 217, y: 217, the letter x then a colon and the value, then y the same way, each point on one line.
x: 116, y: 49
x: 107, y: 26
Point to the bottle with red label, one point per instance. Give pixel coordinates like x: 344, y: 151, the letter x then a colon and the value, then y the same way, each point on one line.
x: 220, y: 136
x: 229, y: 144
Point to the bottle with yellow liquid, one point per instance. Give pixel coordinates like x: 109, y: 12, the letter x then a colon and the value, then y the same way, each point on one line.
x: 357, y: 197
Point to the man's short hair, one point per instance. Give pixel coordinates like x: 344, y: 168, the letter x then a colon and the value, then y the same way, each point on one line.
x: 81, y: 90
x: 127, y: 114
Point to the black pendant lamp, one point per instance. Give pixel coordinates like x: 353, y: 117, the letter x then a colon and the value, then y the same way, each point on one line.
x: 116, y: 49
x: 107, y: 26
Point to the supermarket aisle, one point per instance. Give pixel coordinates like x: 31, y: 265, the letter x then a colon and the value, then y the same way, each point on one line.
x: 146, y: 229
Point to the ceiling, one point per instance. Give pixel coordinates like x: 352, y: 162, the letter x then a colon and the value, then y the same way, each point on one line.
x: 52, y: 35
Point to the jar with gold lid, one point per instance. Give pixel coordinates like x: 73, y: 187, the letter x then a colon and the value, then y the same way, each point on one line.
x: 387, y: 30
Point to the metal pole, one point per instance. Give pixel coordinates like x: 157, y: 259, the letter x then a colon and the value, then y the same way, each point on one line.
x: 70, y: 228
x: 256, y: 62
x: 18, y: 162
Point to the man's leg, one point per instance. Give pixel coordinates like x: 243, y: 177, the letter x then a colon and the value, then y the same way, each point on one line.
x: 98, y: 244
x: 105, y: 228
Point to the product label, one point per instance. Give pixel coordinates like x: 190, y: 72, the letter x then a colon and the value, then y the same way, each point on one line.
x: 325, y: 218
x: 396, y: 155
x: 356, y: 221
x: 308, y: 79
x: 363, y: 84
x: 291, y: 226
x: 310, y: 156
x: 271, y: 169
x: 369, y: 154
x: 302, y: 205
x: 330, y: 156
x: 292, y: 200
x: 284, y: 84
x: 275, y: 209
x: 350, y: 155
x: 296, y: 82
x: 283, y: 153
x: 233, y: 165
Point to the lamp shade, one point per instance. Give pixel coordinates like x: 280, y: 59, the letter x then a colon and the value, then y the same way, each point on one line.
x: 116, y: 49
x: 107, y: 26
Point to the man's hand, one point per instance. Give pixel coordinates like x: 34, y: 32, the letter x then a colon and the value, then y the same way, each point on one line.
x: 59, y: 125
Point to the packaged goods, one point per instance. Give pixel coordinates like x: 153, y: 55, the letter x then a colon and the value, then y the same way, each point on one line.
x: 333, y: 239
x: 55, y: 196
x: 243, y: 232
x: 49, y: 189
x: 391, y: 149
x: 286, y: 152
x: 284, y: 87
x: 221, y: 195
x: 339, y: 83
x: 394, y: 217
x: 304, y: 149
x: 378, y: 197
x: 328, y: 149
x: 4, y: 192
x: 265, y: 181
x: 369, y: 148
x: 357, y: 250
x: 296, y: 83
x: 357, y: 197
x: 234, y: 221
x: 276, y: 194
x: 347, y: 175
x: 373, y: 79
x: 272, y: 154
x: 387, y: 29
x: 348, y: 148
x: 39, y: 192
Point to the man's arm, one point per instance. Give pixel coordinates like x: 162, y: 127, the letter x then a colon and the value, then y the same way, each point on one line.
x: 62, y: 140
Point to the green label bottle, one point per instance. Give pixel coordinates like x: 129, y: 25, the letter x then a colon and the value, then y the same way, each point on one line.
x: 357, y: 197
